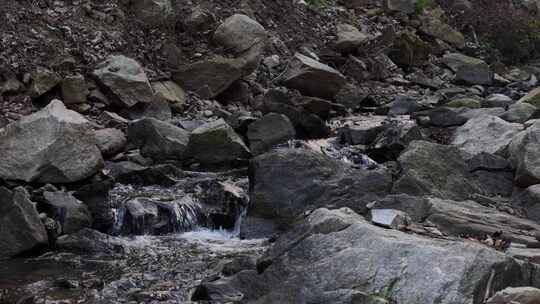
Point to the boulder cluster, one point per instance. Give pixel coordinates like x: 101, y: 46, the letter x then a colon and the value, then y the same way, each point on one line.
x: 390, y: 163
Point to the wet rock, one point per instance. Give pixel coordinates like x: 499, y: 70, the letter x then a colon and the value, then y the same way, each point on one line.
x: 152, y: 12
x: 351, y: 97
x: 524, y: 155
x: 485, y: 134
x: 43, y: 80
x: 141, y: 216
x: 533, y: 97
x: 331, y: 253
x: 211, y: 77
x: 74, y: 89
x: 216, y: 143
x: 110, y: 141
x: 307, y: 125
x: 529, y: 201
x: 439, y: 170
x: 91, y: 241
x: 239, y: 33
x: 389, y: 218
x: 54, y: 145
x: 158, y: 140
x: 519, y: 112
x: 516, y: 295
x: 287, y: 182
x: 313, y: 78
x: 95, y: 195
x: 393, y: 139
x: 124, y: 79
x: 362, y: 131
x: 238, y: 264
x: 269, y: 131
x: 20, y: 226
x: 71, y: 213
x: 349, y: 38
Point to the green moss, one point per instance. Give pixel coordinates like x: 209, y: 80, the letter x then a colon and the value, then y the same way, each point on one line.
x: 421, y: 5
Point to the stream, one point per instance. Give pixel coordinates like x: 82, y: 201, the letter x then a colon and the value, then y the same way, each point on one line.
x: 147, y: 267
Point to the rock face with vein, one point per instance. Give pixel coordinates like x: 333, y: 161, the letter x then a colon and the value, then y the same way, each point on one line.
x: 336, y: 256
x: 54, y: 145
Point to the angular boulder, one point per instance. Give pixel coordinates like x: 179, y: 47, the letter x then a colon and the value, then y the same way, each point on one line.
x: 54, y: 145
x: 485, y: 134
x: 402, y: 6
x: 43, y: 80
x: 152, y: 12
x: 20, y: 226
x: 74, y: 89
x: 216, y: 143
x: 529, y: 201
x: 516, y: 295
x: 533, y: 97
x: 110, y: 141
x: 434, y: 27
x: 286, y: 182
x: 307, y: 125
x: 335, y: 256
x: 210, y: 77
x: 519, y: 112
x: 439, y: 170
x: 524, y: 154
x: 349, y: 38
x: 125, y: 80
x: 239, y: 33
x: 313, y: 78
x: 469, y: 69
x: 157, y: 139
x: 71, y: 213
x: 269, y: 131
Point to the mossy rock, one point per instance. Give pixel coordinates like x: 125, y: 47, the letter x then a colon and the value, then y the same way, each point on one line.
x: 465, y: 103
x: 532, y: 98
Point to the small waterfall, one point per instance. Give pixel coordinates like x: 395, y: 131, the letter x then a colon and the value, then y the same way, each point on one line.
x: 157, y: 210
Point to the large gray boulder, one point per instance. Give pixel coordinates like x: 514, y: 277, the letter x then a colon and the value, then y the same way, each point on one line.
x: 269, y: 131
x: 125, y: 80
x: 349, y: 38
x: 54, y: 145
x: 306, y: 124
x: 110, y: 141
x: 485, y: 133
x: 439, y: 170
x: 216, y: 143
x: 469, y: 69
x: 239, y: 33
x: 529, y: 201
x: 157, y: 139
x: 524, y: 154
x: 71, y: 213
x: 43, y: 80
x: 519, y: 112
x: 211, y: 77
x: 313, y: 78
x: 287, y: 182
x: 335, y: 256
x: 20, y: 226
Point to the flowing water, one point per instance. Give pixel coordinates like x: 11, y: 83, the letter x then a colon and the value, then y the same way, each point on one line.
x: 152, y: 268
